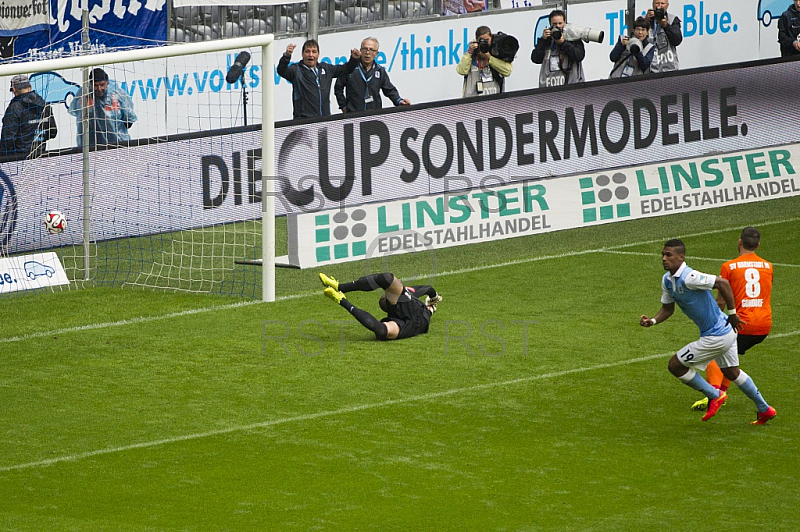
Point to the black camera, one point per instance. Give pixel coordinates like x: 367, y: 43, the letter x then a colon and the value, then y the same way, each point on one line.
x: 555, y: 33
x: 659, y: 13
x: 484, y: 46
x: 504, y: 47
x: 634, y: 45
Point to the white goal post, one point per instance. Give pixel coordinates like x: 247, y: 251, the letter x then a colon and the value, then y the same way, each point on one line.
x: 160, y: 134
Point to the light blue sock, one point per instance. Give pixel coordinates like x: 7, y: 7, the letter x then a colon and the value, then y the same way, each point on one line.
x: 748, y: 387
x: 694, y: 380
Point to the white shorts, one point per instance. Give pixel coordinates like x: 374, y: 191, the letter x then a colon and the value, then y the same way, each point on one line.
x: 699, y: 353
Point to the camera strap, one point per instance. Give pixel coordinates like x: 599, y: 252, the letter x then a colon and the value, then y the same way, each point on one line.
x: 620, y: 63
x: 480, y: 63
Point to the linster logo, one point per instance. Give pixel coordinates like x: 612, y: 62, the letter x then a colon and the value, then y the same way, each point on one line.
x: 343, y: 226
x: 603, y: 198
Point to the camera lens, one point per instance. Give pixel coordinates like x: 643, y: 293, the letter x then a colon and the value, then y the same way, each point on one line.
x: 556, y: 34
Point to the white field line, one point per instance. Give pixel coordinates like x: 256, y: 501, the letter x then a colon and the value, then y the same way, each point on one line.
x: 324, y: 414
x: 692, y: 258
x: 709, y: 232
x: 144, y: 319
x: 341, y: 411
x: 148, y: 319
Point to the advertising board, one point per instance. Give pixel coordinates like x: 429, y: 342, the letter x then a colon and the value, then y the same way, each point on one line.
x: 530, y: 207
x: 29, y: 272
x: 536, y: 135
x: 532, y: 136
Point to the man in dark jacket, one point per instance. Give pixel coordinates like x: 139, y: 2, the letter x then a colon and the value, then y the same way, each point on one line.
x: 361, y: 90
x: 311, y: 80
x: 28, y: 122
x: 789, y: 30
x: 632, y: 58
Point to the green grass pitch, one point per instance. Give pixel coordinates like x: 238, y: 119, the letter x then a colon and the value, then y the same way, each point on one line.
x: 536, y: 402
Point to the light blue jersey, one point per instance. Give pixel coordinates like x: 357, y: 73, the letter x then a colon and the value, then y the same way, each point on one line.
x: 691, y: 290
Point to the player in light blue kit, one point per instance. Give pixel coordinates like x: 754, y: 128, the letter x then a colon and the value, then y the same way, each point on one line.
x: 692, y: 291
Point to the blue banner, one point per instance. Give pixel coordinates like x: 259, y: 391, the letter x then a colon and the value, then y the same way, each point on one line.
x: 112, y: 24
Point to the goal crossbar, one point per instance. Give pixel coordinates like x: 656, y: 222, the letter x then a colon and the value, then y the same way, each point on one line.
x: 138, y: 54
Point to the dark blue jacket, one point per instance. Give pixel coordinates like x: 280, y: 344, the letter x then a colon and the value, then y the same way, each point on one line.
x: 311, y: 88
x: 28, y: 119
x: 351, y: 90
x: 788, y: 30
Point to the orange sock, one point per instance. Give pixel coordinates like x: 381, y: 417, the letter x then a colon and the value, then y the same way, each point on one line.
x: 714, y: 375
x: 725, y: 383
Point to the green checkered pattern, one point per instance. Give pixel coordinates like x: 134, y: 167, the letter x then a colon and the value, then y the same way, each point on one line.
x: 326, y: 250
x: 592, y: 212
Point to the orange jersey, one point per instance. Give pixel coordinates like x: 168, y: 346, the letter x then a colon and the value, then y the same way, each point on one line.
x: 751, y: 280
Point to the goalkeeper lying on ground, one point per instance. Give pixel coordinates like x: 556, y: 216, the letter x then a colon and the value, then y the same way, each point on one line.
x: 407, y: 314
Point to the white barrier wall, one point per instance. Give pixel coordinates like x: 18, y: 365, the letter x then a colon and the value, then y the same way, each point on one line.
x: 715, y: 32
x: 536, y: 135
x: 421, y: 60
x: 348, y: 161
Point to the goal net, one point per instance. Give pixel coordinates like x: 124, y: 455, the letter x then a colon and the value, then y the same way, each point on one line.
x: 156, y: 167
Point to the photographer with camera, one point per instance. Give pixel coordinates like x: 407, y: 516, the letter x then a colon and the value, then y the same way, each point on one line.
x: 484, y: 74
x: 789, y: 30
x: 664, y: 31
x: 632, y: 56
x: 561, y: 59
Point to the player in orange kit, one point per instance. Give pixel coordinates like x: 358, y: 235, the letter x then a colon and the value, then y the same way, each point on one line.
x: 750, y: 277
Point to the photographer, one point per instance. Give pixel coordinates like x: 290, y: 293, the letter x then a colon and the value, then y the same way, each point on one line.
x: 632, y: 56
x: 483, y: 73
x: 665, y: 34
x: 561, y: 59
x: 789, y: 30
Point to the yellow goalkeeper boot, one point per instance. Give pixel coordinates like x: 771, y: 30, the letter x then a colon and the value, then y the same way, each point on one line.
x: 333, y: 294
x: 329, y: 281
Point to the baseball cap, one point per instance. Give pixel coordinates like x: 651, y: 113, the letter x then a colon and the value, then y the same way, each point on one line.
x: 20, y: 81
